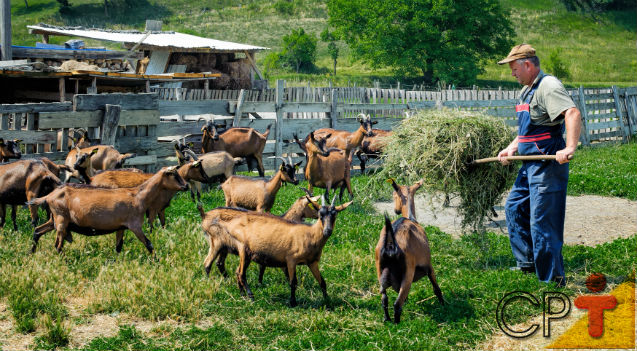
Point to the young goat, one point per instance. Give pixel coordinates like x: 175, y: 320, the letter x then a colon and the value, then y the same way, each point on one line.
x: 327, y: 169
x: 22, y: 181
x: 270, y: 241
x: 9, y: 149
x: 238, y: 142
x: 403, y: 257
x: 82, y: 142
x: 216, y: 165
x: 102, y: 157
x: 258, y: 194
x: 372, y: 146
x: 97, y: 211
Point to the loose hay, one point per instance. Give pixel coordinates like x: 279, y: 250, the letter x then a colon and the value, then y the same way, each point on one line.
x: 438, y: 145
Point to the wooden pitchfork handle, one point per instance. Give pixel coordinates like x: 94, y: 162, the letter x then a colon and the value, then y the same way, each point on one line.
x: 518, y: 158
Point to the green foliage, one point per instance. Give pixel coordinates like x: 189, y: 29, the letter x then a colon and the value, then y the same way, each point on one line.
x: 598, y: 5
x: 442, y: 40
x: 57, y: 334
x: 555, y: 64
x: 284, y: 7
x: 299, y: 51
x: 332, y: 48
x: 29, y: 297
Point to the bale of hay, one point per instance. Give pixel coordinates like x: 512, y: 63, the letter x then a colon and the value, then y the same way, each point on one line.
x: 73, y: 65
x: 438, y: 145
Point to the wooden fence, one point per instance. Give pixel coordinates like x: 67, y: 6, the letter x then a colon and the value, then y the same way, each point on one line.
x: 144, y: 126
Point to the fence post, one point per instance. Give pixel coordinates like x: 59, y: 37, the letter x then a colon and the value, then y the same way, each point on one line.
x: 237, y: 111
x: 109, y: 124
x: 620, y: 114
x: 582, y: 108
x: 333, y: 111
x: 278, y: 148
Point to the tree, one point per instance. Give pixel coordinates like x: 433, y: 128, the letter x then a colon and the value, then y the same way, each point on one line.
x: 332, y: 49
x: 448, y: 40
x: 299, y: 50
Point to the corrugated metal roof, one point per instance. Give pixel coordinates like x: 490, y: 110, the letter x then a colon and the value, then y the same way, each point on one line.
x: 160, y: 39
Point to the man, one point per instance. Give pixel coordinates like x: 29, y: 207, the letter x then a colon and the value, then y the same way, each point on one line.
x: 536, y: 205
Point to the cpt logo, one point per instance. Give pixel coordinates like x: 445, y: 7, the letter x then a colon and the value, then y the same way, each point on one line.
x: 595, y: 304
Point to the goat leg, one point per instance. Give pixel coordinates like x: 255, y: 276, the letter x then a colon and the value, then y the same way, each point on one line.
x: 14, y: 209
x: 213, y: 253
x: 317, y: 275
x: 260, y: 165
x: 405, y: 286
x: 34, y: 215
x: 244, y: 262
x: 384, y: 284
x: 434, y: 283
x: 137, y: 230
x: 3, y: 208
x: 293, y: 282
x: 261, y: 272
x: 119, y: 241
x: 221, y: 262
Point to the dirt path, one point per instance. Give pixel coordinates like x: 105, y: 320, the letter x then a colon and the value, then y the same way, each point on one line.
x: 590, y: 220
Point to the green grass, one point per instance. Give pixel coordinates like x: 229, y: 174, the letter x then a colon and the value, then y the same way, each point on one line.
x: 90, y: 277
x: 606, y: 171
x: 598, y: 51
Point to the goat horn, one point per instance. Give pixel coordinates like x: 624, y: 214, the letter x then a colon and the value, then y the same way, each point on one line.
x: 290, y: 159
x: 307, y: 192
x: 282, y: 159
x: 333, y: 199
x: 313, y: 202
x: 322, y: 201
x: 191, y: 154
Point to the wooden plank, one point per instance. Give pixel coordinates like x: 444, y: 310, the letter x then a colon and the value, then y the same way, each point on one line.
x: 582, y: 107
x: 30, y: 136
x: 38, y: 107
x: 280, y: 86
x: 484, y: 103
x: 109, y: 124
x: 135, y: 144
x: 57, y: 157
x: 178, y: 128
x: 302, y: 107
x: 30, y: 126
x: 238, y: 111
x: 143, y: 101
x: 5, y: 30
x: 594, y: 116
x: 75, y: 54
x: 254, y: 106
x: 618, y: 110
x: 86, y: 119
x: 592, y: 126
x: 173, y: 107
x: 334, y: 107
x: 302, y: 127
x: 600, y: 106
x: 141, y: 160
x: 158, y: 62
x: 139, y: 117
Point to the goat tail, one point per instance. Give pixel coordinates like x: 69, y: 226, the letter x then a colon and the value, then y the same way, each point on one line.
x: 390, y: 247
x: 37, y: 202
x: 267, y: 131
x: 123, y: 158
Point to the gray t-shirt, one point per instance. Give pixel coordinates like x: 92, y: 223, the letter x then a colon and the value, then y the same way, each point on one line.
x: 549, y: 101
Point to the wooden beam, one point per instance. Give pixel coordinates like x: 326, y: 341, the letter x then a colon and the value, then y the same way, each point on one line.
x: 41, y: 107
x: 254, y: 65
x: 75, y: 54
x: 280, y: 86
x: 62, y: 86
x: 237, y: 111
x: 5, y: 30
x: 89, y: 102
x: 110, y: 123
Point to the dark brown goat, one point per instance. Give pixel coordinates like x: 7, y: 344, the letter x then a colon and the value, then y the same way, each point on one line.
x: 9, y: 149
x: 98, y: 211
x: 22, y: 181
x: 372, y: 146
x: 238, y: 142
x: 402, y: 257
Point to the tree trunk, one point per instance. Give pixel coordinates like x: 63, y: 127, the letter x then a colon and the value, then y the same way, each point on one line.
x: 334, y: 66
x: 26, y: 3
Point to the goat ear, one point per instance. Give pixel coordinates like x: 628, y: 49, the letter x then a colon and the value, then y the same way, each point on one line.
x: 312, y: 203
x: 417, y: 185
x: 296, y: 165
x: 343, y: 206
x: 17, y: 140
x: 393, y: 184
x: 94, y: 151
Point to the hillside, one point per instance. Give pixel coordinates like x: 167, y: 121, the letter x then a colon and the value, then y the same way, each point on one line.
x: 599, y: 51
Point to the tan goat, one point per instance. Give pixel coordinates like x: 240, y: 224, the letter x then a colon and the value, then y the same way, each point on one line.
x: 258, y: 194
x: 217, y: 165
x: 372, y: 146
x: 327, y: 169
x: 269, y: 240
x: 98, y: 211
x: 342, y: 139
x: 103, y: 157
x: 403, y: 257
x: 238, y: 142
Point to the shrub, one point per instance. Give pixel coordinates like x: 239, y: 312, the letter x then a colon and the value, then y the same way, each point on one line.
x: 299, y: 51
x: 284, y: 7
x: 556, y: 66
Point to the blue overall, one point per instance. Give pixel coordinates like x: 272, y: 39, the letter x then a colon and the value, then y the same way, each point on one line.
x: 536, y: 205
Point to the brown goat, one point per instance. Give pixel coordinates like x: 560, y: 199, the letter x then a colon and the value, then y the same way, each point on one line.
x: 238, y: 142
x: 98, y: 211
x: 403, y: 257
x: 404, y: 198
x: 9, y: 149
x: 270, y: 241
x: 82, y: 142
x: 372, y: 146
x: 258, y: 194
x: 327, y: 168
x: 217, y: 165
x: 22, y: 181
x: 54, y: 167
x: 103, y: 157
x: 342, y: 139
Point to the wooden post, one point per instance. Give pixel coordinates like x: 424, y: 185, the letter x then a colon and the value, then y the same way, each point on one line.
x: 278, y: 149
x: 582, y: 107
x: 5, y: 29
x: 62, y: 89
x: 237, y: 111
x: 109, y: 124
x: 45, y: 38
x: 77, y: 86
x: 30, y: 126
x: 206, y: 88
x: 618, y: 108
x: 147, y: 86
x: 93, y: 88
x: 333, y: 111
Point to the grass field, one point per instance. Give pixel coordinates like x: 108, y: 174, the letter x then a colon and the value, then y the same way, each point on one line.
x: 599, y: 51
x: 47, y: 295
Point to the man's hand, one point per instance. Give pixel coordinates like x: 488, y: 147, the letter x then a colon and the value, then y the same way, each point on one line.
x: 509, y: 151
x: 563, y: 155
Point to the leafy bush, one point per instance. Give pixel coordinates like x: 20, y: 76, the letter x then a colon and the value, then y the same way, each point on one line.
x: 556, y: 66
x: 299, y: 51
x: 56, y: 335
